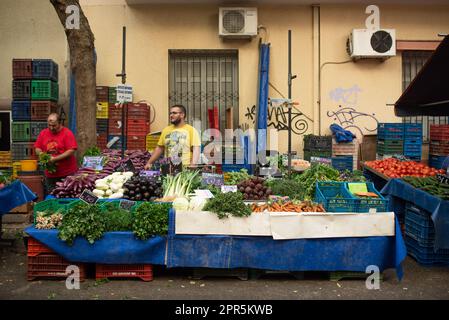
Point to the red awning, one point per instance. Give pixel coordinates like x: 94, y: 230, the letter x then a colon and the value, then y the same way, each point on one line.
x: 428, y: 93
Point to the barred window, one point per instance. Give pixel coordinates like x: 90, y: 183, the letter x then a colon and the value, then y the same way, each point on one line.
x: 203, y: 79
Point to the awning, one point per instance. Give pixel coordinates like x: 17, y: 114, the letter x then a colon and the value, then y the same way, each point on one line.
x: 428, y: 93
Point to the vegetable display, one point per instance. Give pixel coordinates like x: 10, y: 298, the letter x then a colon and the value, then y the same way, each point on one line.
x: 225, y: 204
x: 44, y: 161
x: 318, y: 172
x: 111, y: 186
x: 430, y: 185
x: 354, y: 176
x: 289, y: 206
x: 179, y: 185
x: 73, y: 185
x: 117, y: 219
x: 393, y: 168
x: 234, y: 178
x: 142, y: 188
x: 254, y: 189
x: 151, y: 219
x: 286, y: 187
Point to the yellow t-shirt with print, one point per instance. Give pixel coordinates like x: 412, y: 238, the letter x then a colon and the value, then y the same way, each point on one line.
x: 178, y: 142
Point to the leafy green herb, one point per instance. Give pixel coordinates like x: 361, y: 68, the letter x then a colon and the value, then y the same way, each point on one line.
x: 117, y: 219
x: 151, y: 219
x: 234, y: 178
x: 44, y: 161
x: 225, y: 204
x: 317, y: 172
x: 286, y: 187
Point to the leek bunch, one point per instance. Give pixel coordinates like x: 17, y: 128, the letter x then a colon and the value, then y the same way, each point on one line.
x: 179, y: 185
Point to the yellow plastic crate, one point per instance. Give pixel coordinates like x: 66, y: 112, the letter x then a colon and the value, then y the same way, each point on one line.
x: 5, y: 159
x: 102, y: 110
x: 151, y: 142
x: 16, y: 166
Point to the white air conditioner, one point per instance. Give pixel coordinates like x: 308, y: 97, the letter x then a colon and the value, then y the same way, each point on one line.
x: 234, y: 22
x: 364, y: 43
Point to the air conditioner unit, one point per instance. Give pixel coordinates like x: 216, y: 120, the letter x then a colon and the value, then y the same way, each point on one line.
x: 364, y: 43
x: 237, y: 22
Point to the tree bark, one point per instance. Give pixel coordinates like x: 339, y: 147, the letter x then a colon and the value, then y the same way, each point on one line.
x: 82, y: 65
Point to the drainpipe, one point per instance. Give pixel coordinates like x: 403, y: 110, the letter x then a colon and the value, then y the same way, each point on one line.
x: 316, y: 68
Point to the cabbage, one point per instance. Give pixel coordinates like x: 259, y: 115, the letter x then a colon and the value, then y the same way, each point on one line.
x: 197, y: 203
x: 181, y: 204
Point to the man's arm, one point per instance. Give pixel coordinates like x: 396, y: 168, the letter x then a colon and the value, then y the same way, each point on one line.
x: 156, y: 154
x: 195, y: 156
x: 62, y: 156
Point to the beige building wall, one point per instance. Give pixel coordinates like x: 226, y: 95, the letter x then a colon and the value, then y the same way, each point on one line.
x: 364, y: 86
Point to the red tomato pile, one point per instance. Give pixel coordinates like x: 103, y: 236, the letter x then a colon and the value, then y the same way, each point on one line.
x: 394, y: 168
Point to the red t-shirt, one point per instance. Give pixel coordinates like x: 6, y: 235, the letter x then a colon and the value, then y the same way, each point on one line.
x: 56, y: 144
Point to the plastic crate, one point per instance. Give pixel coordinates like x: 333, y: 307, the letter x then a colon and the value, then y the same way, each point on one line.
x: 102, y: 93
x: 140, y: 271
x: 342, y: 163
x: 53, y: 205
x: 40, y: 110
x: 426, y: 255
x: 413, y: 130
x: 22, y: 69
x: 115, y: 126
x: 117, y: 144
x: 36, y: 128
x: 226, y: 167
x: 137, y: 127
x: 102, y: 140
x: 45, y: 69
x: 115, y: 111
x: 439, y: 132
x: 51, y: 266
x: 102, y: 110
x: 136, y: 142
x: 102, y: 126
x: 421, y: 235
x: 436, y: 161
x: 44, y: 90
x: 380, y: 204
x: 5, y: 159
x: 21, y: 90
x: 334, y: 196
x: 390, y: 127
x: 137, y: 111
x: 21, y: 110
x: 312, y: 142
x: 316, y: 153
x: 112, y: 95
x: 437, y: 147
x: 412, y: 148
x: 151, y: 142
x: 36, y: 248
x: 20, y: 131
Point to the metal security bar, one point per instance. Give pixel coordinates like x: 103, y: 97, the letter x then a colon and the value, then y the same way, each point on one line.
x: 412, y: 62
x: 204, y: 79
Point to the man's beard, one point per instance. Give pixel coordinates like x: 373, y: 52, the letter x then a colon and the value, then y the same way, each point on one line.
x: 175, y: 122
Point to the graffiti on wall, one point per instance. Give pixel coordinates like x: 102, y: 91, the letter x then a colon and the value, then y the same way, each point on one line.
x: 346, y: 114
x: 278, y: 118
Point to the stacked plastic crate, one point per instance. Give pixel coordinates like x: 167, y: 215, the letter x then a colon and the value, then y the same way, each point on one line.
x: 439, y: 145
x: 35, y: 95
x: 390, y: 140
x: 345, y: 155
x: 137, y: 125
x: 317, y: 146
x: 102, y: 115
x: 420, y: 237
x: 413, y: 141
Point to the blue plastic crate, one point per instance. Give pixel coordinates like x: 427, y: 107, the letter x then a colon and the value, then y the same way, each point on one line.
x: 390, y: 127
x: 413, y: 149
x: 436, y: 161
x: 409, y: 154
x: 342, y: 163
x: 45, y: 69
x: 335, y: 197
x: 413, y: 129
x: 365, y: 204
x: 419, y: 234
x: 235, y: 167
x: 21, y: 110
x: 412, y: 140
x: 420, y: 218
x: 390, y: 135
x: 426, y: 255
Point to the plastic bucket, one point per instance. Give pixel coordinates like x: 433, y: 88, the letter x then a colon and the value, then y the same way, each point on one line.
x: 28, y: 165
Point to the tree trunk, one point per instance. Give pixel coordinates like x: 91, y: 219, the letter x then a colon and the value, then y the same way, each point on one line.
x: 82, y: 65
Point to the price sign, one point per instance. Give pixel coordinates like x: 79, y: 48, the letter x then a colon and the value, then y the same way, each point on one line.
x: 212, y: 178
x: 128, y: 166
x: 93, y: 162
x: 88, y: 197
x: 149, y: 173
x: 444, y: 179
x: 124, y: 93
x: 204, y: 194
x: 320, y: 160
x: 126, y: 204
x: 226, y: 189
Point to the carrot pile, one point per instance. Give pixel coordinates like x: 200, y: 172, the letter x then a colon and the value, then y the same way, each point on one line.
x: 289, y: 206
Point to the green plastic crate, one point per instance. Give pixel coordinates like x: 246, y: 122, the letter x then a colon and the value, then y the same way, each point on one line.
x: 44, y: 90
x: 53, y: 205
x: 20, y: 131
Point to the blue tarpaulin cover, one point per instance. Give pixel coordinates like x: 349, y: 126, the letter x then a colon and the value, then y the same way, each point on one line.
x: 112, y: 248
x: 14, y: 195
x: 332, y: 254
x: 262, y: 109
x: 398, y: 190
x: 341, y: 135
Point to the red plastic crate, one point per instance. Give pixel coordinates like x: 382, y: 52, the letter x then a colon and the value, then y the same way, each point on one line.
x: 137, y: 127
x: 102, y: 93
x: 36, y: 248
x: 115, y: 111
x: 51, y: 266
x: 439, y: 147
x: 136, y: 142
x: 41, y: 109
x: 102, y: 141
x: 142, y: 271
x: 439, y: 132
x: 138, y: 111
x: 115, y: 126
x: 22, y: 68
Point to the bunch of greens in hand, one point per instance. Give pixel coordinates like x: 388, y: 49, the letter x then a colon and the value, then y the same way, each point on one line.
x: 44, y: 161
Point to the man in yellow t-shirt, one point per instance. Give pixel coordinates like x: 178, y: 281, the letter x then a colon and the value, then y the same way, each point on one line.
x: 180, y: 141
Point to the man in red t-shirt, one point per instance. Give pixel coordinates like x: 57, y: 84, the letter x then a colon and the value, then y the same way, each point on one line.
x: 59, y: 142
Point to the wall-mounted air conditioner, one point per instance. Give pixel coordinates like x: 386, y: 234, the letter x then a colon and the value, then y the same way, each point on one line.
x: 366, y: 43
x: 235, y: 22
